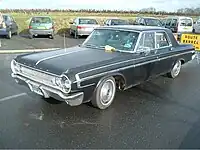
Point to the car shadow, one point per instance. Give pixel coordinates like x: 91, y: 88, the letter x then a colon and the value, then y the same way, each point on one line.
x: 24, y: 33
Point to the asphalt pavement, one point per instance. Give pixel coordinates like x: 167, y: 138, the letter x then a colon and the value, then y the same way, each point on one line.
x: 41, y: 42
x: 162, y: 113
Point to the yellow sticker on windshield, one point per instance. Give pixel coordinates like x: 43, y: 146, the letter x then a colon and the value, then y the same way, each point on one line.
x: 109, y: 48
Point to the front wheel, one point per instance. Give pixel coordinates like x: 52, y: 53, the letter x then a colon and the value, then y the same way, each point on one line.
x: 9, y: 36
x: 104, y: 94
x: 175, y: 70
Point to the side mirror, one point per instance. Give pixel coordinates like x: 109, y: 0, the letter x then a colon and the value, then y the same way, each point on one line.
x: 142, y: 24
x: 70, y: 22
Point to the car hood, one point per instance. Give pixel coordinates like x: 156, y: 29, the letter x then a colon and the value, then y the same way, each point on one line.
x: 70, y: 59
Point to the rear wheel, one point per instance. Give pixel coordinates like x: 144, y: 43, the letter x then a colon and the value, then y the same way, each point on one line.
x: 76, y: 36
x: 104, y: 94
x: 175, y: 70
x: 193, y: 30
x: 51, y: 36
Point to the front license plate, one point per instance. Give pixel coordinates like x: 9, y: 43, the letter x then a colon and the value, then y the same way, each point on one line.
x: 36, y: 90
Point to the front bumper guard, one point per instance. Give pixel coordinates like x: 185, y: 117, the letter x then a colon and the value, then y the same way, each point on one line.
x: 47, y: 92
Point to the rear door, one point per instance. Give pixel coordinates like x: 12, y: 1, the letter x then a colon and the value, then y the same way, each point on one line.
x: 185, y: 25
x: 14, y: 25
x: 163, y: 51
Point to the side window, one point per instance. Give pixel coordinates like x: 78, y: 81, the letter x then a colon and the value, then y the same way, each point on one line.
x: 168, y: 22
x: 147, y: 42
x: 9, y: 19
x: 174, y: 22
x: 142, y: 22
x: 161, y: 40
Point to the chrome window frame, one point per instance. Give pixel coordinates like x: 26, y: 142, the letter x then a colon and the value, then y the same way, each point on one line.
x: 155, y: 31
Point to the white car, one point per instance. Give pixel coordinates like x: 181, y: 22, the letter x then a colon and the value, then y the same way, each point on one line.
x: 179, y: 24
x: 196, y: 28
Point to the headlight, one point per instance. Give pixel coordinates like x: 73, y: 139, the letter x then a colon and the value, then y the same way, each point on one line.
x: 15, y: 67
x: 64, y: 83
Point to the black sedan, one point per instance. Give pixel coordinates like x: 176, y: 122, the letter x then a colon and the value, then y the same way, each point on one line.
x: 114, y: 57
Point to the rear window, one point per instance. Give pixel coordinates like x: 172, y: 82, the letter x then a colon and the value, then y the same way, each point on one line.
x: 87, y: 21
x: 153, y: 22
x: 186, y: 22
x: 41, y: 20
x: 119, y: 22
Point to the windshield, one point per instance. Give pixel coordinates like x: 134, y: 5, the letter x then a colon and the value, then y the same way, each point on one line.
x: 153, y: 22
x: 119, y: 22
x: 41, y: 20
x: 87, y: 21
x: 120, y: 40
x: 186, y: 22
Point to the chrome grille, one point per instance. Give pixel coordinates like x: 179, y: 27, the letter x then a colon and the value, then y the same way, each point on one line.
x: 36, y: 75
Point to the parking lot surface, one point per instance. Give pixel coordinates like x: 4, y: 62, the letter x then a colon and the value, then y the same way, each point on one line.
x: 41, y: 42
x: 162, y: 113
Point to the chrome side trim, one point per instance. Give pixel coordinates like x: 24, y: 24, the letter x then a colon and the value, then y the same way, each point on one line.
x: 128, y: 61
x: 51, y: 57
x: 79, y: 80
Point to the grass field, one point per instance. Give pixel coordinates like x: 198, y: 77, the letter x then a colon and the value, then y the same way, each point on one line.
x: 62, y: 19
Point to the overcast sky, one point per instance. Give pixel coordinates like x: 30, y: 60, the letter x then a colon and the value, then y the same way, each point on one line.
x: 168, y: 5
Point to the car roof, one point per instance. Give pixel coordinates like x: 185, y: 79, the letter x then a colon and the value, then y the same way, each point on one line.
x: 137, y: 28
x: 149, y: 18
x: 178, y: 17
x: 41, y: 16
x: 86, y: 18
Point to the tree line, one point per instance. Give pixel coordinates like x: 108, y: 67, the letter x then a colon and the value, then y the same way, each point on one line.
x: 149, y: 11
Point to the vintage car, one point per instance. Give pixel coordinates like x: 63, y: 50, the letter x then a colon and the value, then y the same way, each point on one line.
x: 111, y: 58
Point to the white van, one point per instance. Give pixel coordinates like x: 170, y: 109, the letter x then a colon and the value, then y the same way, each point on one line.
x: 179, y: 24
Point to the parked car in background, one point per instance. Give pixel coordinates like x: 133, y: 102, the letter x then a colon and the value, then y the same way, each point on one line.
x: 8, y: 26
x: 41, y: 25
x: 116, y: 21
x: 179, y: 24
x: 148, y: 21
x: 110, y: 58
x: 196, y: 27
x: 82, y: 26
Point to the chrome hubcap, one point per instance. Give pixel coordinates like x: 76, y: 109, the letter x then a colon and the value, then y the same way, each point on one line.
x: 177, y: 68
x: 107, y: 92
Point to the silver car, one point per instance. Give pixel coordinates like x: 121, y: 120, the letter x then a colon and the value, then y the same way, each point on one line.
x: 82, y: 26
x: 196, y: 28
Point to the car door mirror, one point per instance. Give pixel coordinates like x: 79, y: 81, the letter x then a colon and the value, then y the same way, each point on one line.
x: 70, y: 22
x: 141, y: 23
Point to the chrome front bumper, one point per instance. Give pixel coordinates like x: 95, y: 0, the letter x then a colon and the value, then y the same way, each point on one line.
x: 47, y: 92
